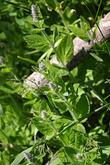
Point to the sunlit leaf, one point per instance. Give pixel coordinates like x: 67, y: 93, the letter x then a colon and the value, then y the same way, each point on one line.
x: 65, y: 48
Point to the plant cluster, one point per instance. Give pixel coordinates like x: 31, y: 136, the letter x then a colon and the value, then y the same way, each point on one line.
x: 66, y: 120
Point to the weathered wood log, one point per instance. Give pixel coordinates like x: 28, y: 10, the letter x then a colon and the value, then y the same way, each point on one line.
x: 82, y: 48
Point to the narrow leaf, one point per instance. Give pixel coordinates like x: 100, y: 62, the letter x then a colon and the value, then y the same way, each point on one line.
x: 20, y: 157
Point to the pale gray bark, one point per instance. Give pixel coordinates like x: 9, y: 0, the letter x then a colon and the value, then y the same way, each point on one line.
x: 82, y: 48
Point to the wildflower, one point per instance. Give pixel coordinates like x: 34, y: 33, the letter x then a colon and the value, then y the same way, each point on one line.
x: 34, y: 13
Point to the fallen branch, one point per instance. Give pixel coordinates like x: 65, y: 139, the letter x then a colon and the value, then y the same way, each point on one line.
x: 82, y: 48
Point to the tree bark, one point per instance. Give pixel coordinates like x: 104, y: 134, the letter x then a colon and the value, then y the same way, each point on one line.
x: 82, y: 48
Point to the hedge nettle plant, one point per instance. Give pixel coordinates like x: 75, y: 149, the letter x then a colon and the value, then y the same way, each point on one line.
x: 65, y: 111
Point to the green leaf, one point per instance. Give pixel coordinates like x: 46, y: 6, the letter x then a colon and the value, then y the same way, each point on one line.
x: 54, y: 73
x: 65, y: 49
x: 2, y: 36
x: 49, y: 51
x: 27, y: 60
x: 83, y: 106
x: 1, y: 110
x: 20, y: 157
x: 6, y: 70
x: 99, y: 59
x: 45, y: 127
x: 60, y: 104
x: 79, y: 127
x: 106, y: 150
x: 7, y: 90
x: 59, y: 158
x: 3, y: 137
x: 37, y: 42
x: 51, y: 3
x: 95, y: 94
x: 74, y: 136
x: 79, y: 32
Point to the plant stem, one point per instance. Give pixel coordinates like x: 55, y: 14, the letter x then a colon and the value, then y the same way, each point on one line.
x: 62, y: 17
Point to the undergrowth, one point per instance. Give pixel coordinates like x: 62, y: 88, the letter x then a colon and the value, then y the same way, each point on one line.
x: 66, y: 122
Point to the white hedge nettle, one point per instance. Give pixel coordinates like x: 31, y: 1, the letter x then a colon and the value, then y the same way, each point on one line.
x: 34, y: 13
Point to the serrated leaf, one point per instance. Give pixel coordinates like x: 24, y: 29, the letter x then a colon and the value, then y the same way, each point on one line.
x: 7, y: 90
x: 37, y: 42
x: 79, y: 32
x: 49, y: 51
x: 45, y: 127
x: 65, y: 49
x: 74, y: 137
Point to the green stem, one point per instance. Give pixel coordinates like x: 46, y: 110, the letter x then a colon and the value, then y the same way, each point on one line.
x: 47, y: 38
x: 81, y: 119
x: 98, y: 10
x: 62, y: 17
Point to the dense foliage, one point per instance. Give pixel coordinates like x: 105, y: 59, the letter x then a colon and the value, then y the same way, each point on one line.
x: 67, y: 122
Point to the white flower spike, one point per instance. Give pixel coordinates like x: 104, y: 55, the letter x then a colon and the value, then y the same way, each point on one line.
x: 34, y: 13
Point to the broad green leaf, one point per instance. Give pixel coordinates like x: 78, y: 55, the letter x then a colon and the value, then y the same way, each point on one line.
x: 74, y: 137
x: 20, y: 157
x: 45, y: 127
x: 83, y: 106
x: 51, y: 3
x: 65, y: 49
x: 6, y: 90
x: 49, y: 51
x: 37, y: 42
x: 79, y: 32
x: 54, y: 73
x: 60, y: 104
x: 74, y: 156
x: 106, y: 150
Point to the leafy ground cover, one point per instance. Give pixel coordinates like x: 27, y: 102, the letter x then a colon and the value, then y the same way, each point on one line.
x: 66, y: 122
